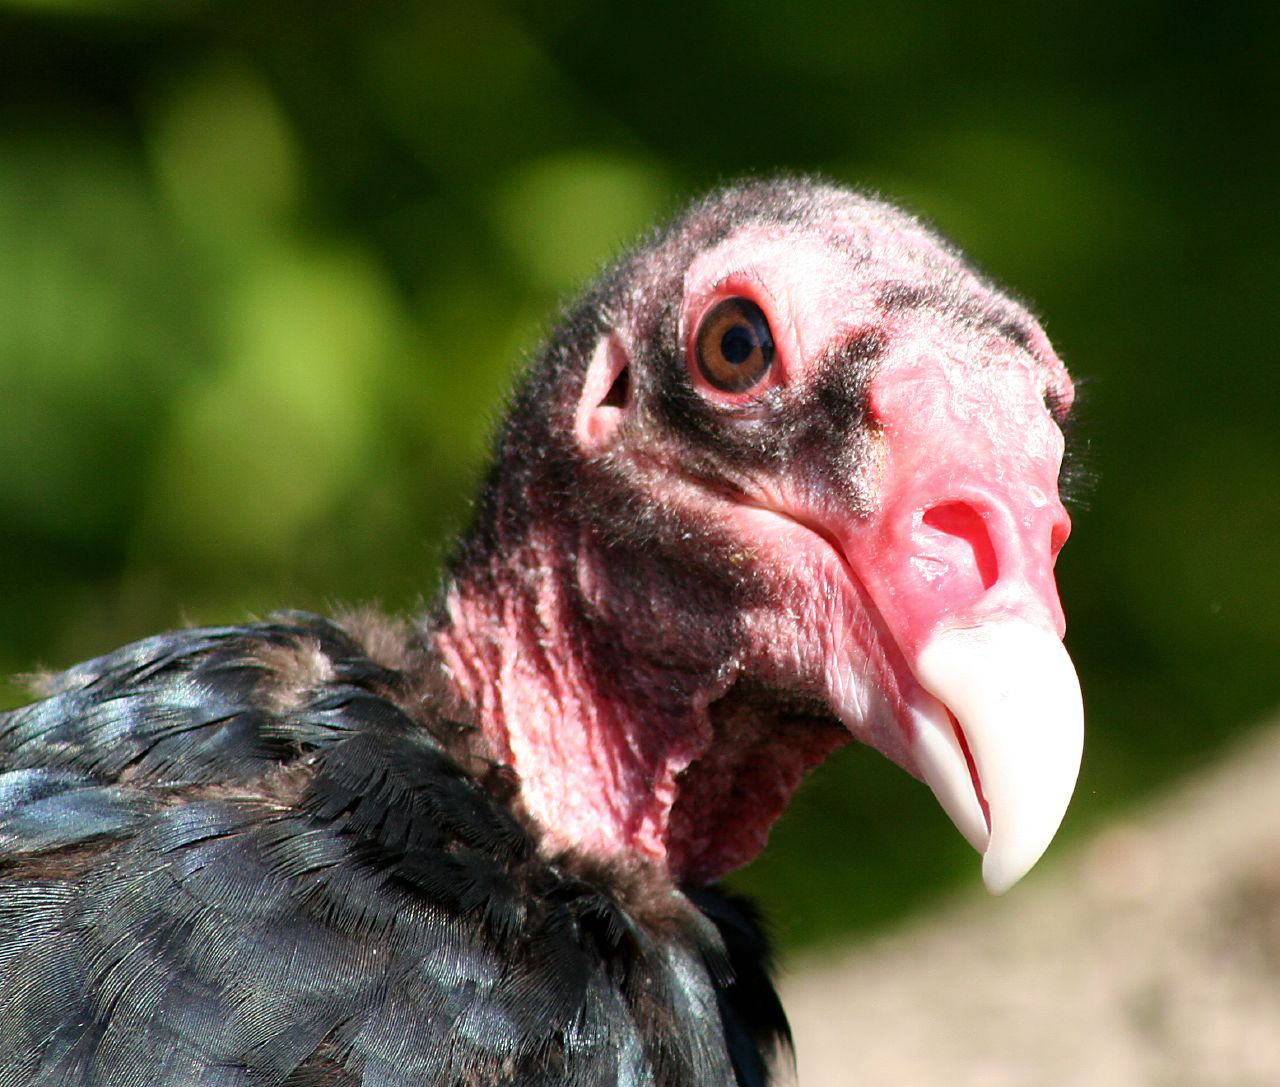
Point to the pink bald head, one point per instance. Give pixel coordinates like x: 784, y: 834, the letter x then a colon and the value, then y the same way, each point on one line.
x: 781, y: 547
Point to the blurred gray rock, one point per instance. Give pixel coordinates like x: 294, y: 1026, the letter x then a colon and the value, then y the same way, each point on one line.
x: 1150, y: 955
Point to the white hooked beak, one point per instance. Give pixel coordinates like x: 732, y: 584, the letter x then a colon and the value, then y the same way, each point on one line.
x: 1000, y: 741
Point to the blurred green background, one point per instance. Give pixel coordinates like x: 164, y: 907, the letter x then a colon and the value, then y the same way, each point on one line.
x: 266, y: 270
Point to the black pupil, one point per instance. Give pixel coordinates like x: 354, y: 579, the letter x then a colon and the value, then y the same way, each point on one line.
x: 737, y: 344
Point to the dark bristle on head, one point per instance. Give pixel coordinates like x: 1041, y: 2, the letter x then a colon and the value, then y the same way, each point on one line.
x: 536, y: 439
x: 1076, y: 479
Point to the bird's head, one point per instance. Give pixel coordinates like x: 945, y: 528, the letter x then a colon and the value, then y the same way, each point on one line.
x: 786, y: 475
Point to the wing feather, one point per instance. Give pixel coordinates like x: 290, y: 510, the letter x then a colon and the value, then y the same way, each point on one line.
x: 238, y: 856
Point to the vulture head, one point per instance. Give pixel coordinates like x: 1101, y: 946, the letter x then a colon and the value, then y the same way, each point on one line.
x: 786, y: 476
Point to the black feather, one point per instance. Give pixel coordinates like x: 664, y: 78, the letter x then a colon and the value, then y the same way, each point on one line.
x: 215, y: 871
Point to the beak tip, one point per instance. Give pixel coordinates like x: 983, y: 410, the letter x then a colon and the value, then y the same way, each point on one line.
x: 996, y: 879
x: 1000, y: 871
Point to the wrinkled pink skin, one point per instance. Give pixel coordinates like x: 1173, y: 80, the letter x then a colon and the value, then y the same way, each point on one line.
x: 590, y: 779
x: 965, y: 526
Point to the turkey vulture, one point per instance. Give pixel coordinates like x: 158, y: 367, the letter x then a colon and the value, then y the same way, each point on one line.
x: 784, y: 476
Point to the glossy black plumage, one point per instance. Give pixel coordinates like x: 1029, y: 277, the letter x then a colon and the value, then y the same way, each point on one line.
x: 253, y: 855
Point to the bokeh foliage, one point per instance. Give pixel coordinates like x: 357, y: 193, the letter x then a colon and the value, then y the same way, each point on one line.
x: 266, y: 269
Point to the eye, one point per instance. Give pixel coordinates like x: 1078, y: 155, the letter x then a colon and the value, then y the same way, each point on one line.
x: 734, y: 345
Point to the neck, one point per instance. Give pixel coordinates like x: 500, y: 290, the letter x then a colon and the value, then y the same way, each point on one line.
x: 597, y: 734
x: 610, y: 681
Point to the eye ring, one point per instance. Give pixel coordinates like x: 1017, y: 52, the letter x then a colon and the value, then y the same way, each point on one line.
x: 734, y: 345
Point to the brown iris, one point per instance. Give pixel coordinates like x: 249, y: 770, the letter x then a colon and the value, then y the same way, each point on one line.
x: 734, y: 345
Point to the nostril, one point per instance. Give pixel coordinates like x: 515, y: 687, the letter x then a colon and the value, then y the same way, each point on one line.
x: 965, y: 525
x: 1058, y: 536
